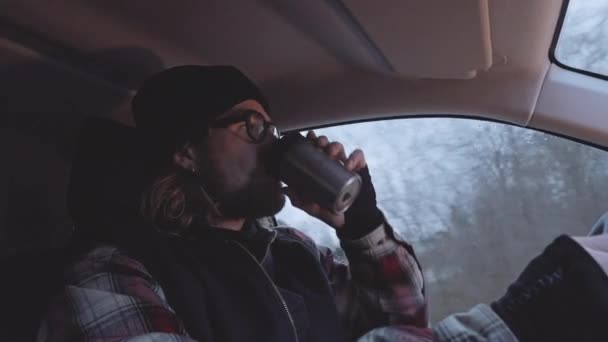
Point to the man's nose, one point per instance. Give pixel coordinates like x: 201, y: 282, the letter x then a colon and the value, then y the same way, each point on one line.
x: 270, y: 139
x: 265, y: 148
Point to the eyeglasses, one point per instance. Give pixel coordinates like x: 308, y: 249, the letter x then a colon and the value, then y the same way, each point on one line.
x: 257, y: 126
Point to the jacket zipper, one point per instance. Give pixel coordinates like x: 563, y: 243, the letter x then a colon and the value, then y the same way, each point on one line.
x: 276, y: 289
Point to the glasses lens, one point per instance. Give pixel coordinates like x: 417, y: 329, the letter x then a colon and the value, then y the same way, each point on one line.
x: 256, y: 126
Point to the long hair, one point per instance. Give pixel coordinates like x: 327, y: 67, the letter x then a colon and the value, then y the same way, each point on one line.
x: 172, y: 203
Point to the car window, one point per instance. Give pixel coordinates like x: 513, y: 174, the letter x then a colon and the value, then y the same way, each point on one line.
x: 583, y: 40
x: 476, y: 199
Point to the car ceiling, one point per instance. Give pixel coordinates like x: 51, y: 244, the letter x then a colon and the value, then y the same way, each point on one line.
x: 320, y: 61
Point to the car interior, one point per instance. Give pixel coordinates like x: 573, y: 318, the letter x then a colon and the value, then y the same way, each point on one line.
x: 321, y: 63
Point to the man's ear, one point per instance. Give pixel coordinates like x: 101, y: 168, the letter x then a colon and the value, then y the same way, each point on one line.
x: 186, y: 158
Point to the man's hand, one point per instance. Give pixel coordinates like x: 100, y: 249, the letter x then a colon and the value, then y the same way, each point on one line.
x: 354, y: 162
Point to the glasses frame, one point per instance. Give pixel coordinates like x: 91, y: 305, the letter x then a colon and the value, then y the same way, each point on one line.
x: 245, y: 117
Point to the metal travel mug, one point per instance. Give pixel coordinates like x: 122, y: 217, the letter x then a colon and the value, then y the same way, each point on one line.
x: 305, y: 168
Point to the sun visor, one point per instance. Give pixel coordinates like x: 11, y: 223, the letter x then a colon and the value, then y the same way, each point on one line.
x: 439, y: 39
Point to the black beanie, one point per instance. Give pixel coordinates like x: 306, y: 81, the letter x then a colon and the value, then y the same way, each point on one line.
x: 176, y: 105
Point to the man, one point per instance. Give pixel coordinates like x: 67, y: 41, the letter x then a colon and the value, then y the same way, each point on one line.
x: 201, y: 261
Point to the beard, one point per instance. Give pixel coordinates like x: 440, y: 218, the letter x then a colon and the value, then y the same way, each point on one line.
x: 261, y: 196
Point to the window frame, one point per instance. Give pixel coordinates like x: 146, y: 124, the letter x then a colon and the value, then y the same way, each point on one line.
x: 446, y: 116
x: 554, y: 42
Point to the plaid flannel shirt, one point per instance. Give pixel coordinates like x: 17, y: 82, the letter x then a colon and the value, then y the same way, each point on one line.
x: 480, y: 324
x: 109, y: 296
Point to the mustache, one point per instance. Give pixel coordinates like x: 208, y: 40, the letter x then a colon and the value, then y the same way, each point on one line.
x: 264, y: 168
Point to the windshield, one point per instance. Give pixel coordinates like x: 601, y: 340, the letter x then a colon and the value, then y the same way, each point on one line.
x: 583, y: 41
